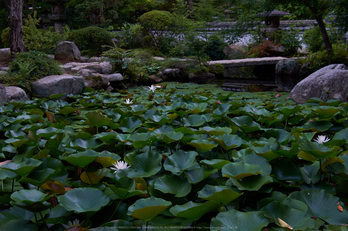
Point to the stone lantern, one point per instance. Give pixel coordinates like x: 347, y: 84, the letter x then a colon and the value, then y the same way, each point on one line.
x: 58, y: 16
x: 272, y: 22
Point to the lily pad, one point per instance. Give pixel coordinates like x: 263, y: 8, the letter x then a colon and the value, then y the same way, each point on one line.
x: 193, y: 210
x: 81, y: 200
x: 239, y: 221
x: 147, y: 209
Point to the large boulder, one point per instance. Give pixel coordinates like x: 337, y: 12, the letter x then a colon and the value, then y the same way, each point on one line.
x: 5, y: 54
x: 67, y: 51
x: 58, y: 84
x: 326, y: 83
x: 3, y: 96
x: 16, y: 94
x: 287, y: 74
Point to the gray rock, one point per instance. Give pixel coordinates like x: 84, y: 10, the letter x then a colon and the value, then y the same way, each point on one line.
x: 58, y: 84
x: 326, y: 83
x: 287, y: 67
x: 96, y: 81
x: 116, y: 77
x: 86, y: 72
x: 171, y: 74
x: 16, y: 94
x: 287, y: 74
x: 3, y: 95
x: 67, y: 51
x: 155, y: 79
x: 5, y: 54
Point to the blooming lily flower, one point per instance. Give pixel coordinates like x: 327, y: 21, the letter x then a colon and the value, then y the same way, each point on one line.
x: 74, y: 223
x: 120, y: 165
x: 322, y: 139
x: 153, y: 88
x: 128, y: 101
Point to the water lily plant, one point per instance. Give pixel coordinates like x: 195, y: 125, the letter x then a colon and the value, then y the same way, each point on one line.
x: 128, y: 101
x: 322, y: 139
x: 119, y: 165
x: 153, y: 88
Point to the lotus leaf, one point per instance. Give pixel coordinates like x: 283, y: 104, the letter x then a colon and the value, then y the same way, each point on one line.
x: 81, y: 200
x: 147, y: 209
x: 221, y: 194
x: 239, y: 221
x: 176, y: 185
x: 129, y: 124
x: 22, y: 168
x: 296, y: 219
x: 181, y: 161
x: 146, y: 164
x: 322, y: 205
x: 82, y: 159
x: 193, y: 210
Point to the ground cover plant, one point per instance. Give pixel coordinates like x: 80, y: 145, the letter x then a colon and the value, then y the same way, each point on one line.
x: 173, y: 156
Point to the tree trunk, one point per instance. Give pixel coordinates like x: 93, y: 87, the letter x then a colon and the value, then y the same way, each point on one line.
x: 324, y: 34
x: 16, y: 27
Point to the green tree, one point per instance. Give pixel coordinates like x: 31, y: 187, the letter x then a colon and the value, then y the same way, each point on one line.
x: 318, y: 9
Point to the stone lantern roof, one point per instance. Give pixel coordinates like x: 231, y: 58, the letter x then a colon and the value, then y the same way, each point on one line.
x: 272, y: 17
x: 273, y: 13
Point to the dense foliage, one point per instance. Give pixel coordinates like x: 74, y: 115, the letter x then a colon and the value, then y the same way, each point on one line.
x: 194, y: 156
x: 29, y: 67
x: 91, y: 40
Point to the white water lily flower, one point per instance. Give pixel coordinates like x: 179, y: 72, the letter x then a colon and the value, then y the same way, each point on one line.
x: 153, y: 88
x: 74, y: 223
x: 119, y: 165
x: 322, y: 139
x: 128, y: 101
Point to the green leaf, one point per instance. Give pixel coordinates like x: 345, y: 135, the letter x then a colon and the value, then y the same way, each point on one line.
x: 203, y: 145
x: 251, y: 183
x: 216, y: 130
x: 246, y: 124
x: 215, y: 163
x: 284, y: 169
x: 82, y: 159
x: 123, y: 193
x: 239, y: 221
x: 81, y: 200
x: 228, y: 141
x: 169, y: 137
x: 193, y: 210
x: 147, y: 209
x: 145, y: 164
x: 140, y: 140
x: 173, y: 184
x: 297, y: 219
x: 22, y: 168
x: 322, y: 205
x: 97, y: 119
x: 180, y: 161
x: 30, y: 199
x: 129, y: 124
x: 319, y: 150
x: 221, y: 194
x: 193, y: 120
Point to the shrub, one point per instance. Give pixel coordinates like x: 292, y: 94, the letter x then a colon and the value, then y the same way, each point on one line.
x: 91, y: 40
x: 156, y: 22
x: 320, y: 59
x: 264, y: 49
x: 214, y: 48
x: 131, y: 36
x: 313, y: 40
x: 29, y: 67
x: 135, y: 66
